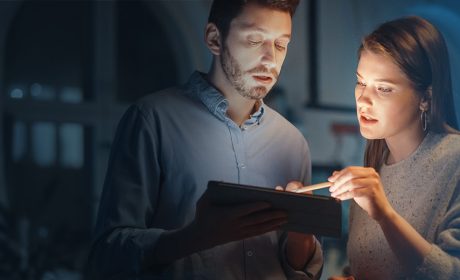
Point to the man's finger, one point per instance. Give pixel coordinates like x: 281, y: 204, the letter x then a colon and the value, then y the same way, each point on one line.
x: 264, y: 227
x: 248, y: 208
x: 294, y: 185
x: 263, y: 217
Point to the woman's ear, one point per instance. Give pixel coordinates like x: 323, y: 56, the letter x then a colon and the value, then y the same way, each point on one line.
x: 426, y: 100
x: 212, y: 38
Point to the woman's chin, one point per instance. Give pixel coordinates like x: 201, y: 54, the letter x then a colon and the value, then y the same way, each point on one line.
x: 369, y: 135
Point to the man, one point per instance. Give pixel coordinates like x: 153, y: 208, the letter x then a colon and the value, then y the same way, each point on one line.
x: 154, y: 219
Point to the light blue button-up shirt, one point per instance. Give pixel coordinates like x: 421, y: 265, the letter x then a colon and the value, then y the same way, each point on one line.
x: 167, y: 147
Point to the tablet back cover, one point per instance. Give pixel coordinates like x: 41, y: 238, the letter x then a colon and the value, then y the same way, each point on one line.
x: 320, y: 215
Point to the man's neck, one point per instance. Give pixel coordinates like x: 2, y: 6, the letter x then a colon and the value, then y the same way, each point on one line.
x: 239, y: 108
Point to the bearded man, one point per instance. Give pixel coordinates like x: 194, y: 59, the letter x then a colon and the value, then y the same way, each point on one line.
x: 154, y: 221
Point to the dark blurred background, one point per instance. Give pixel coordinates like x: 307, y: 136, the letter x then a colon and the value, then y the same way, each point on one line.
x: 69, y: 69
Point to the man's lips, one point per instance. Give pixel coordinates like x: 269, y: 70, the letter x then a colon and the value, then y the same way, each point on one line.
x: 264, y: 79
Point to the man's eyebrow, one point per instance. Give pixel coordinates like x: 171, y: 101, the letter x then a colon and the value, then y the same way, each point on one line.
x: 252, y: 27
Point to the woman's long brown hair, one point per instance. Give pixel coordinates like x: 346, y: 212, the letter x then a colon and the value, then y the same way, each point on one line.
x: 420, y: 51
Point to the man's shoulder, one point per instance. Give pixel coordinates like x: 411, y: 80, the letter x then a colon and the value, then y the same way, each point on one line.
x: 173, y: 98
x: 284, y: 127
x: 281, y: 121
x: 162, y: 97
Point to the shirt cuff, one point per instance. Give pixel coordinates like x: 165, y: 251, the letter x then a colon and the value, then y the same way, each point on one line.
x: 312, y: 269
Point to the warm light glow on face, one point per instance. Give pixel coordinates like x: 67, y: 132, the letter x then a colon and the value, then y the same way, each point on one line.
x: 386, y: 102
x: 255, y: 49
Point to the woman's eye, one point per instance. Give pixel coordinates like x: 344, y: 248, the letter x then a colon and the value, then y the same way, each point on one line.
x: 384, y: 89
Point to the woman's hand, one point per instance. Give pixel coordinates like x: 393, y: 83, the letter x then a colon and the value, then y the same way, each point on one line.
x: 364, y: 186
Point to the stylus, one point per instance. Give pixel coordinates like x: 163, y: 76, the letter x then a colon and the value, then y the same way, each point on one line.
x: 313, y: 187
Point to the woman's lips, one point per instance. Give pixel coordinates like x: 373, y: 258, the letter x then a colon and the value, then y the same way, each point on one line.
x: 367, y: 120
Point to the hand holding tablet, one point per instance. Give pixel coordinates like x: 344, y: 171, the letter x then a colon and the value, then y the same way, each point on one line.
x: 307, y: 213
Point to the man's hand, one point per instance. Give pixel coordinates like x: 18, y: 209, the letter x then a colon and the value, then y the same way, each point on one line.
x: 300, y: 246
x: 292, y: 186
x: 219, y: 224
x: 341, y: 278
x: 215, y: 225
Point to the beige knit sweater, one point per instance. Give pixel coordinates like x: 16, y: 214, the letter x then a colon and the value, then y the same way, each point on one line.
x: 425, y: 190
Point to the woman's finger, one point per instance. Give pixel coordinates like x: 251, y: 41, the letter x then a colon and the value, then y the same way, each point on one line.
x: 350, y: 186
x: 352, y: 172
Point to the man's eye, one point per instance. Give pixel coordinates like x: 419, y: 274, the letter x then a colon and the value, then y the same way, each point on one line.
x: 254, y: 43
x: 361, y: 84
x: 280, y: 47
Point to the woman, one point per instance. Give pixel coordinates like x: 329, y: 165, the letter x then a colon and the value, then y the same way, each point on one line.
x: 405, y: 214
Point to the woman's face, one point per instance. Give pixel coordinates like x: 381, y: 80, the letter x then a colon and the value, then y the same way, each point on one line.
x: 387, y: 104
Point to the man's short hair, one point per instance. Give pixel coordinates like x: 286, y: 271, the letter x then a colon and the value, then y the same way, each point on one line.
x: 224, y: 11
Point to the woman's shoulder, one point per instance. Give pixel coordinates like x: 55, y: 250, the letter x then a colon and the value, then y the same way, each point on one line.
x: 451, y: 143
x: 446, y: 148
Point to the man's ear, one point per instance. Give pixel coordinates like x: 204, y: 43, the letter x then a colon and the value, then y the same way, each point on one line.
x: 426, y: 100
x: 212, y: 38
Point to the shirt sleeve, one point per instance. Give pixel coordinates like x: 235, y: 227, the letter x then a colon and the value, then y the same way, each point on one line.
x: 443, y: 260
x: 124, y: 235
x: 312, y: 269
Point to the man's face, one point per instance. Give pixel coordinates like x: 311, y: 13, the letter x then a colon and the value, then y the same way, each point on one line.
x: 254, y: 50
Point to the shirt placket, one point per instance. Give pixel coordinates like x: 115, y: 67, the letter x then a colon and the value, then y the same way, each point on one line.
x: 250, y: 260
x: 238, y: 136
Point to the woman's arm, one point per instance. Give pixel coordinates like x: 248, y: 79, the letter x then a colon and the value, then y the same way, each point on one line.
x: 365, y: 187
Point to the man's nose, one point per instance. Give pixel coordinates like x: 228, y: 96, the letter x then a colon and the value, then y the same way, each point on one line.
x: 269, y: 55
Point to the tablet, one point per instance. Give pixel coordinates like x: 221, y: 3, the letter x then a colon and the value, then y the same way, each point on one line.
x: 307, y: 213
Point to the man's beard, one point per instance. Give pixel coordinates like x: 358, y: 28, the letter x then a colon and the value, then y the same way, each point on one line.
x: 235, y: 76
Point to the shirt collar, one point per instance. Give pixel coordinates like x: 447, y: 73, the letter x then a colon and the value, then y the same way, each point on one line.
x: 255, y: 117
x: 215, y: 101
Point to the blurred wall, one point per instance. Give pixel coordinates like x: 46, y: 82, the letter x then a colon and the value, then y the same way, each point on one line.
x: 131, y: 48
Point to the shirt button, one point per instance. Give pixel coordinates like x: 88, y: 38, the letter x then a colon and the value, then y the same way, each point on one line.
x: 243, y: 128
x: 249, y: 253
x: 242, y: 165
